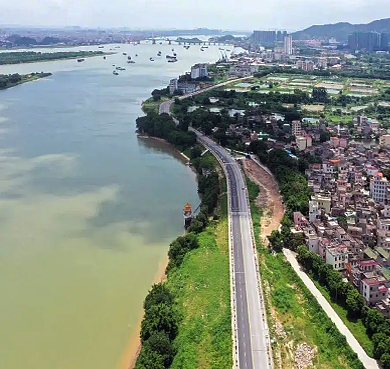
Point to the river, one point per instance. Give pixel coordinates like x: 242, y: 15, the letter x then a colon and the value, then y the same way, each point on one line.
x: 87, y: 210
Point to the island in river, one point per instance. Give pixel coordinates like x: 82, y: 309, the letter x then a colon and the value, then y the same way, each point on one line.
x: 18, y: 57
x: 11, y: 80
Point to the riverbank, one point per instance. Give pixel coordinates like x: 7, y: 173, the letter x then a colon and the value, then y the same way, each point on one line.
x: 12, y: 80
x: 22, y: 57
x: 134, y: 347
x: 165, y: 144
x: 196, y: 294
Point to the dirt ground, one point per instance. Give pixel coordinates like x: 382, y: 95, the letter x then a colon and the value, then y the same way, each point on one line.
x: 269, y: 199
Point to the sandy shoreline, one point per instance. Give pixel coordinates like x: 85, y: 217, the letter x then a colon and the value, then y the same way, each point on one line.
x: 134, y: 347
x: 183, y: 156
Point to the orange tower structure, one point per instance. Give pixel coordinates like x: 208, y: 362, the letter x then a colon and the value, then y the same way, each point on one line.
x: 187, y: 213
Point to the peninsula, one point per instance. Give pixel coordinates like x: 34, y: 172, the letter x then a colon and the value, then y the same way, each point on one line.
x: 34, y: 56
x: 11, y: 80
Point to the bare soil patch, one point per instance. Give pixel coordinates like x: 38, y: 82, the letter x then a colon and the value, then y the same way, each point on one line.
x: 269, y: 198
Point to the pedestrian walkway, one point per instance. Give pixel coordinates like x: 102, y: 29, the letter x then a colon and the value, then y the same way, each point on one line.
x: 368, y: 362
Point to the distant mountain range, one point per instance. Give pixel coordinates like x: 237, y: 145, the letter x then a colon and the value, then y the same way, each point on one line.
x: 341, y: 30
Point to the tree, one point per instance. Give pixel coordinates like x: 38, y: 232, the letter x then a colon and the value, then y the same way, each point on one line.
x: 159, y: 318
x: 149, y: 359
x: 324, y: 136
x: 276, y: 241
x: 385, y: 361
x: 159, y: 294
x: 196, y: 152
x: 160, y: 344
x: 381, y: 344
x: 354, y: 302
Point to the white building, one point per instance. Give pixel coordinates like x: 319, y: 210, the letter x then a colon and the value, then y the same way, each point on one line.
x: 337, y: 257
x: 288, y: 49
x: 314, y: 211
x: 301, y: 143
x: 378, y: 188
x: 173, y: 86
x: 199, y: 71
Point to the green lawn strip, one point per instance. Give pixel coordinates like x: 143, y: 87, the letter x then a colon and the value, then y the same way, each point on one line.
x: 202, y: 287
x: 357, y: 327
x: 151, y: 106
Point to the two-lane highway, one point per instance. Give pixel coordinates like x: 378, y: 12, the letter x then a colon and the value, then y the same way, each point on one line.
x: 253, y: 346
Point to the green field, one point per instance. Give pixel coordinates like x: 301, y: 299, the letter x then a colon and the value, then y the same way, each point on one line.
x: 151, y: 106
x: 202, y: 284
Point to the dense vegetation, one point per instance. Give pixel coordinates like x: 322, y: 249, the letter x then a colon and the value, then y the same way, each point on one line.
x: 163, y: 126
x: 164, y: 314
x: 377, y: 325
x: 17, y: 57
x: 10, y: 80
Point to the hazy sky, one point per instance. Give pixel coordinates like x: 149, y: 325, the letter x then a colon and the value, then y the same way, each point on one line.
x: 225, y: 14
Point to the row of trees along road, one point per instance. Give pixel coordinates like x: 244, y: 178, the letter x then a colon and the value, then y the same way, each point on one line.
x: 377, y: 325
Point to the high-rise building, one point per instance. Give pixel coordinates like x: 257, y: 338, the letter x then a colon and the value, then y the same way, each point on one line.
x: 385, y: 41
x: 288, y: 49
x: 305, y: 65
x: 199, y: 71
x: 265, y: 37
x: 378, y: 188
x: 296, y: 128
x: 369, y: 41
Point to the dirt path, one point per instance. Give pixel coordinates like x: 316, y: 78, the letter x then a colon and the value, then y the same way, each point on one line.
x: 269, y: 199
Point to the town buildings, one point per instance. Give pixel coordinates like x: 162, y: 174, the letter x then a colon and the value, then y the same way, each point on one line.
x: 348, y: 219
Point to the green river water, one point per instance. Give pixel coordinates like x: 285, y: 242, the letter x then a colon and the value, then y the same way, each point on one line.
x: 87, y: 210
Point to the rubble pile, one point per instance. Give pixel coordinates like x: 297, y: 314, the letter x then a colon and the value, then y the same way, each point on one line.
x: 303, y: 356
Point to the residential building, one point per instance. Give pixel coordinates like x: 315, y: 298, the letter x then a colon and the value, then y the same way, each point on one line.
x: 199, y: 71
x: 378, y: 188
x: 296, y: 128
x: 305, y: 65
x: 288, y: 48
x: 173, y: 86
x: 375, y: 289
x: 337, y: 257
x: 369, y: 41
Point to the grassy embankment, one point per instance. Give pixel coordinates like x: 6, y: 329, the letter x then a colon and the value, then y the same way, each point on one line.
x: 12, y: 80
x: 290, y: 303
x: 202, y: 287
x: 150, y: 106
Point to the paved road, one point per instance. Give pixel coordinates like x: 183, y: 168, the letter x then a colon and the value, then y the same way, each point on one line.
x: 165, y: 106
x: 364, y: 358
x: 250, y: 319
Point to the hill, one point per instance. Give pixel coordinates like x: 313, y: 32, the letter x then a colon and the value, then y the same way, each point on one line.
x: 341, y: 30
